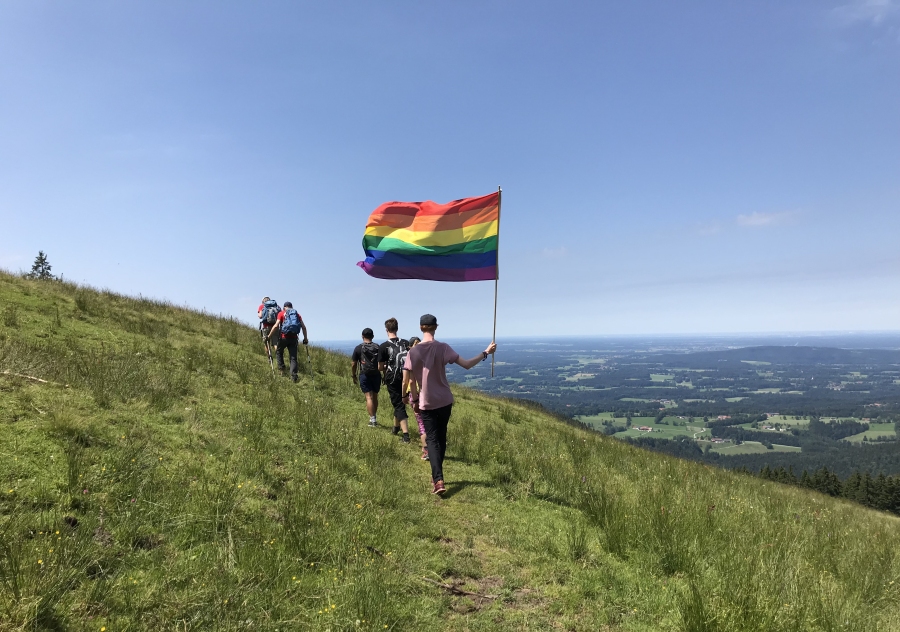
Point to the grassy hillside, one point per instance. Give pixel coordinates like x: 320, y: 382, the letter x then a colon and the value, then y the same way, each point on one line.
x: 160, y: 478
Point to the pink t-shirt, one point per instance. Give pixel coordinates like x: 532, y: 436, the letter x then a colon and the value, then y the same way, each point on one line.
x: 427, y: 361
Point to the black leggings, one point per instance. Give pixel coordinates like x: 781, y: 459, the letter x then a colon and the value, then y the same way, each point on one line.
x: 395, y: 390
x: 435, y: 422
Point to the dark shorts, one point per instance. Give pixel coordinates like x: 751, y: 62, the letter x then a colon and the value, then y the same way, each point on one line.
x: 370, y: 382
x: 395, y: 390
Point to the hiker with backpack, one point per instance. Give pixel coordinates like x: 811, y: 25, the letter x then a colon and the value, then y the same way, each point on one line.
x: 391, y: 356
x: 425, y: 377
x: 268, y: 314
x: 364, y: 368
x: 289, y: 323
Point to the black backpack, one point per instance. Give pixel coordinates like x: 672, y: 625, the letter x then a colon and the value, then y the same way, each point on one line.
x: 368, y: 357
x: 397, y: 351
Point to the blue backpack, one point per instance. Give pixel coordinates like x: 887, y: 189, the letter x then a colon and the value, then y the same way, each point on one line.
x: 291, y: 323
x: 269, y: 313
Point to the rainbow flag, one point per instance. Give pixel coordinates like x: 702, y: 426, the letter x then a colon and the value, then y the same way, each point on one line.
x: 435, y: 242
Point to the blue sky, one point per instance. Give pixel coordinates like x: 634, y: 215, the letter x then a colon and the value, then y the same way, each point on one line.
x: 666, y: 167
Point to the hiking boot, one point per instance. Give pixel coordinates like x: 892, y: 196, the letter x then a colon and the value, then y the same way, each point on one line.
x: 405, y: 437
x: 438, y: 488
x: 373, y: 423
x: 424, y: 454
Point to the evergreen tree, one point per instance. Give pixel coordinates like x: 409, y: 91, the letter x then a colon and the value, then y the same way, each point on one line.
x: 835, y: 486
x: 882, y: 492
x: 895, y: 494
x: 864, y: 492
x: 852, y: 485
x: 41, y: 267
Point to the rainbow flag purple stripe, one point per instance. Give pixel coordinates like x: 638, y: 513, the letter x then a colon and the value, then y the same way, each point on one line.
x: 434, y: 242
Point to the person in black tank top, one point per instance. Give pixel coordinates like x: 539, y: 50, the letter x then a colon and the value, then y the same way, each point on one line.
x: 364, y: 368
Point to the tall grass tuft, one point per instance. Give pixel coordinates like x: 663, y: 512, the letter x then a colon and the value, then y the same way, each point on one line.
x: 695, y: 617
x: 11, y: 316
x: 576, y: 541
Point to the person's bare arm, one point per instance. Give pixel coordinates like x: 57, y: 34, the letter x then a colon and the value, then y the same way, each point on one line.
x: 275, y: 329
x: 468, y: 364
x: 413, y: 395
x: 410, y: 385
x: 305, y: 337
x: 353, y: 369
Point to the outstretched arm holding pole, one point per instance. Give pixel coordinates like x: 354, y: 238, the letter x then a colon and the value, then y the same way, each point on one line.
x: 468, y: 364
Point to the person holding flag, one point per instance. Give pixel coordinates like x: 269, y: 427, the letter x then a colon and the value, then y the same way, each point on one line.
x: 457, y: 242
x: 425, y: 379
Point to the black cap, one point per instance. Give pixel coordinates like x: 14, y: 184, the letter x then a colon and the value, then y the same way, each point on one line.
x: 428, y: 321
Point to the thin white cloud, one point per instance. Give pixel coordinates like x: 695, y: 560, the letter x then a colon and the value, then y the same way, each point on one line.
x: 554, y: 253
x: 760, y: 220
x: 874, y: 12
x: 709, y: 228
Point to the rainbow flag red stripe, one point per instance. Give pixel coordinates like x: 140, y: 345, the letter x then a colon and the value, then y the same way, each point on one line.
x: 434, y: 242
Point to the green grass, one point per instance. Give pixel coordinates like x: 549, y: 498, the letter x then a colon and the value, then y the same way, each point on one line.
x: 787, y: 420
x: 579, y: 376
x: 874, y: 432
x: 751, y: 447
x: 663, y: 431
x: 160, y: 479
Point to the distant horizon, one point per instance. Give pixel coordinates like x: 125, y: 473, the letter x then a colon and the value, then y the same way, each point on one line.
x: 893, y: 337
x: 886, y: 332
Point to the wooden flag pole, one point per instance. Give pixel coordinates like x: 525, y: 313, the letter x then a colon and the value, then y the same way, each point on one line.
x: 497, y: 274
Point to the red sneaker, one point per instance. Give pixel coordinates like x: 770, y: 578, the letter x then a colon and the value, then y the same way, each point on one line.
x: 424, y: 454
x: 439, y: 488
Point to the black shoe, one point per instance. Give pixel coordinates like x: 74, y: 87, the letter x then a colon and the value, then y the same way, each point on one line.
x: 395, y: 430
x: 405, y: 437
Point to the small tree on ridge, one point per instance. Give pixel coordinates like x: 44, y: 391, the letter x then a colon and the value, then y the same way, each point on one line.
x: 41, y: 267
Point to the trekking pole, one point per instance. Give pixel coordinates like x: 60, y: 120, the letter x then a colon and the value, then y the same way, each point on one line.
x: 269, y: 353
x: 312, y: 374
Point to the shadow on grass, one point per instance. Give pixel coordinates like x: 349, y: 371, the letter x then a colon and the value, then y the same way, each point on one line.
x: 455, y: 487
